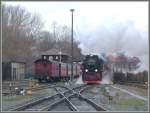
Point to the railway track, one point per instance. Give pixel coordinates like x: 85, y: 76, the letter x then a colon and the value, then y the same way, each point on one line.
x: 41, y: 104
x: 135, y: 84
x: 7, y: 84
x: 7, y: 89
x: 79, y: 102
x: 130, y: 93
x: 66, y: 99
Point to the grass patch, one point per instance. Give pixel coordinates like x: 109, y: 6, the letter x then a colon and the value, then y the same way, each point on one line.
x: 15, y: 98
x: 131, y: 102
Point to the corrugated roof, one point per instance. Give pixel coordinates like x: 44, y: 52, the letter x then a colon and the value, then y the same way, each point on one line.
x: 53, y: 52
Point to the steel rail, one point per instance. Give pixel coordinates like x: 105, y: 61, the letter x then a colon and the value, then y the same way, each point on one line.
x: 27, y: 105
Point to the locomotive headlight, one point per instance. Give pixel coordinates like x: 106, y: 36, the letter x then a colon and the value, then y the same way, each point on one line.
x: 96, y: 70
x: 86, y: 70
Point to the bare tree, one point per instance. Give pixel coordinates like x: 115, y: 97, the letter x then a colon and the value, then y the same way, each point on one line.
x: 62, y: 35
x: 46, y: 41
x: 19, y: 28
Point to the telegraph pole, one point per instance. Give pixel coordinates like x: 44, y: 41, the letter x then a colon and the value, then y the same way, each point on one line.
x: 72, y: 10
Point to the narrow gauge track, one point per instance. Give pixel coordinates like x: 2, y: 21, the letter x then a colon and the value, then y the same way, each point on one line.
x: 43, y: 104
x: 76, y: 101
x: 61, y: 99
x: 43, y: 86
x: 34, y: 98
x: 7, y: 90
x: 6, y: 85
x: 135, y: 84
x: 130, y: 93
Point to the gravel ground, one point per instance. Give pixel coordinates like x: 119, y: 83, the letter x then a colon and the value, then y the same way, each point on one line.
x: 61, y: 107
x: 120, y: 101
x: 81, y: 104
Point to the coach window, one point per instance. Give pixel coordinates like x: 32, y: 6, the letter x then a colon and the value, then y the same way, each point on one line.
x: 44, y: 57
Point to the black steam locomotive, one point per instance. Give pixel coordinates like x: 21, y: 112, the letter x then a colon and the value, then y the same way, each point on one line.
x: 92, y: 68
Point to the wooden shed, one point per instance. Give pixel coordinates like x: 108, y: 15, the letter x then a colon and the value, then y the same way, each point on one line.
x: 13, y: 70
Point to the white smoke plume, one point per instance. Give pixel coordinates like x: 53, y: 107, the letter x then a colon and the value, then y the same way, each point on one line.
x: 107, y: 77
x: 122, y: 36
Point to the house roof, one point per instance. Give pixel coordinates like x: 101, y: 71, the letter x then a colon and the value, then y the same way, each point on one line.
x: 13, y: 61
x: 53, y: 52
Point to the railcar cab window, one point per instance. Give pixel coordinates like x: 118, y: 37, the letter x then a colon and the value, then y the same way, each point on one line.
x: 56, y: 57
x: 50, y: 58
x: 44, y: 57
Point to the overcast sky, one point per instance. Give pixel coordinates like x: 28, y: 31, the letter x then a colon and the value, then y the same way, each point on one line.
x: 88, y: 14
x: 99, y: 24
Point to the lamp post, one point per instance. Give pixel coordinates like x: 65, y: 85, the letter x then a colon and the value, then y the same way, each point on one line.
x: 72, y: 10
x: 60, y: 56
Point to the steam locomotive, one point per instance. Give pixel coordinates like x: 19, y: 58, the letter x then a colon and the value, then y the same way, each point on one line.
x: 92, y: 68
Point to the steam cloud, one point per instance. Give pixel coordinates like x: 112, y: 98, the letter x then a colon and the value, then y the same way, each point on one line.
x: 119, y: 37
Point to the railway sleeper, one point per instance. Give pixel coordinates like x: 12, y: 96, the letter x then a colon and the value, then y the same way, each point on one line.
x: 20, y: 108
x: 96, y: 106
x: 72, y: 107
x: 50, y: 107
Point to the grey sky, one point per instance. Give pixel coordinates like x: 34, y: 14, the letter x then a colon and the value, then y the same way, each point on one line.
x: 94, y: 13
x: 97, y: 24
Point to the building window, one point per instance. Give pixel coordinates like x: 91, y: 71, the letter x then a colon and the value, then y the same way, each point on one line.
x: 14, y: 74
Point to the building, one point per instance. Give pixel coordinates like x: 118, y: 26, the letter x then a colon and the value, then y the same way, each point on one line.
x: 13, y: 70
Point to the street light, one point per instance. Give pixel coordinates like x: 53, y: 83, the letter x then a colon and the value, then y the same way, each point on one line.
x: 72, y: 10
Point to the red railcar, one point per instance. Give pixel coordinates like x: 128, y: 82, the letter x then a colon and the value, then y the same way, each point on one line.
x: 54, y: 71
